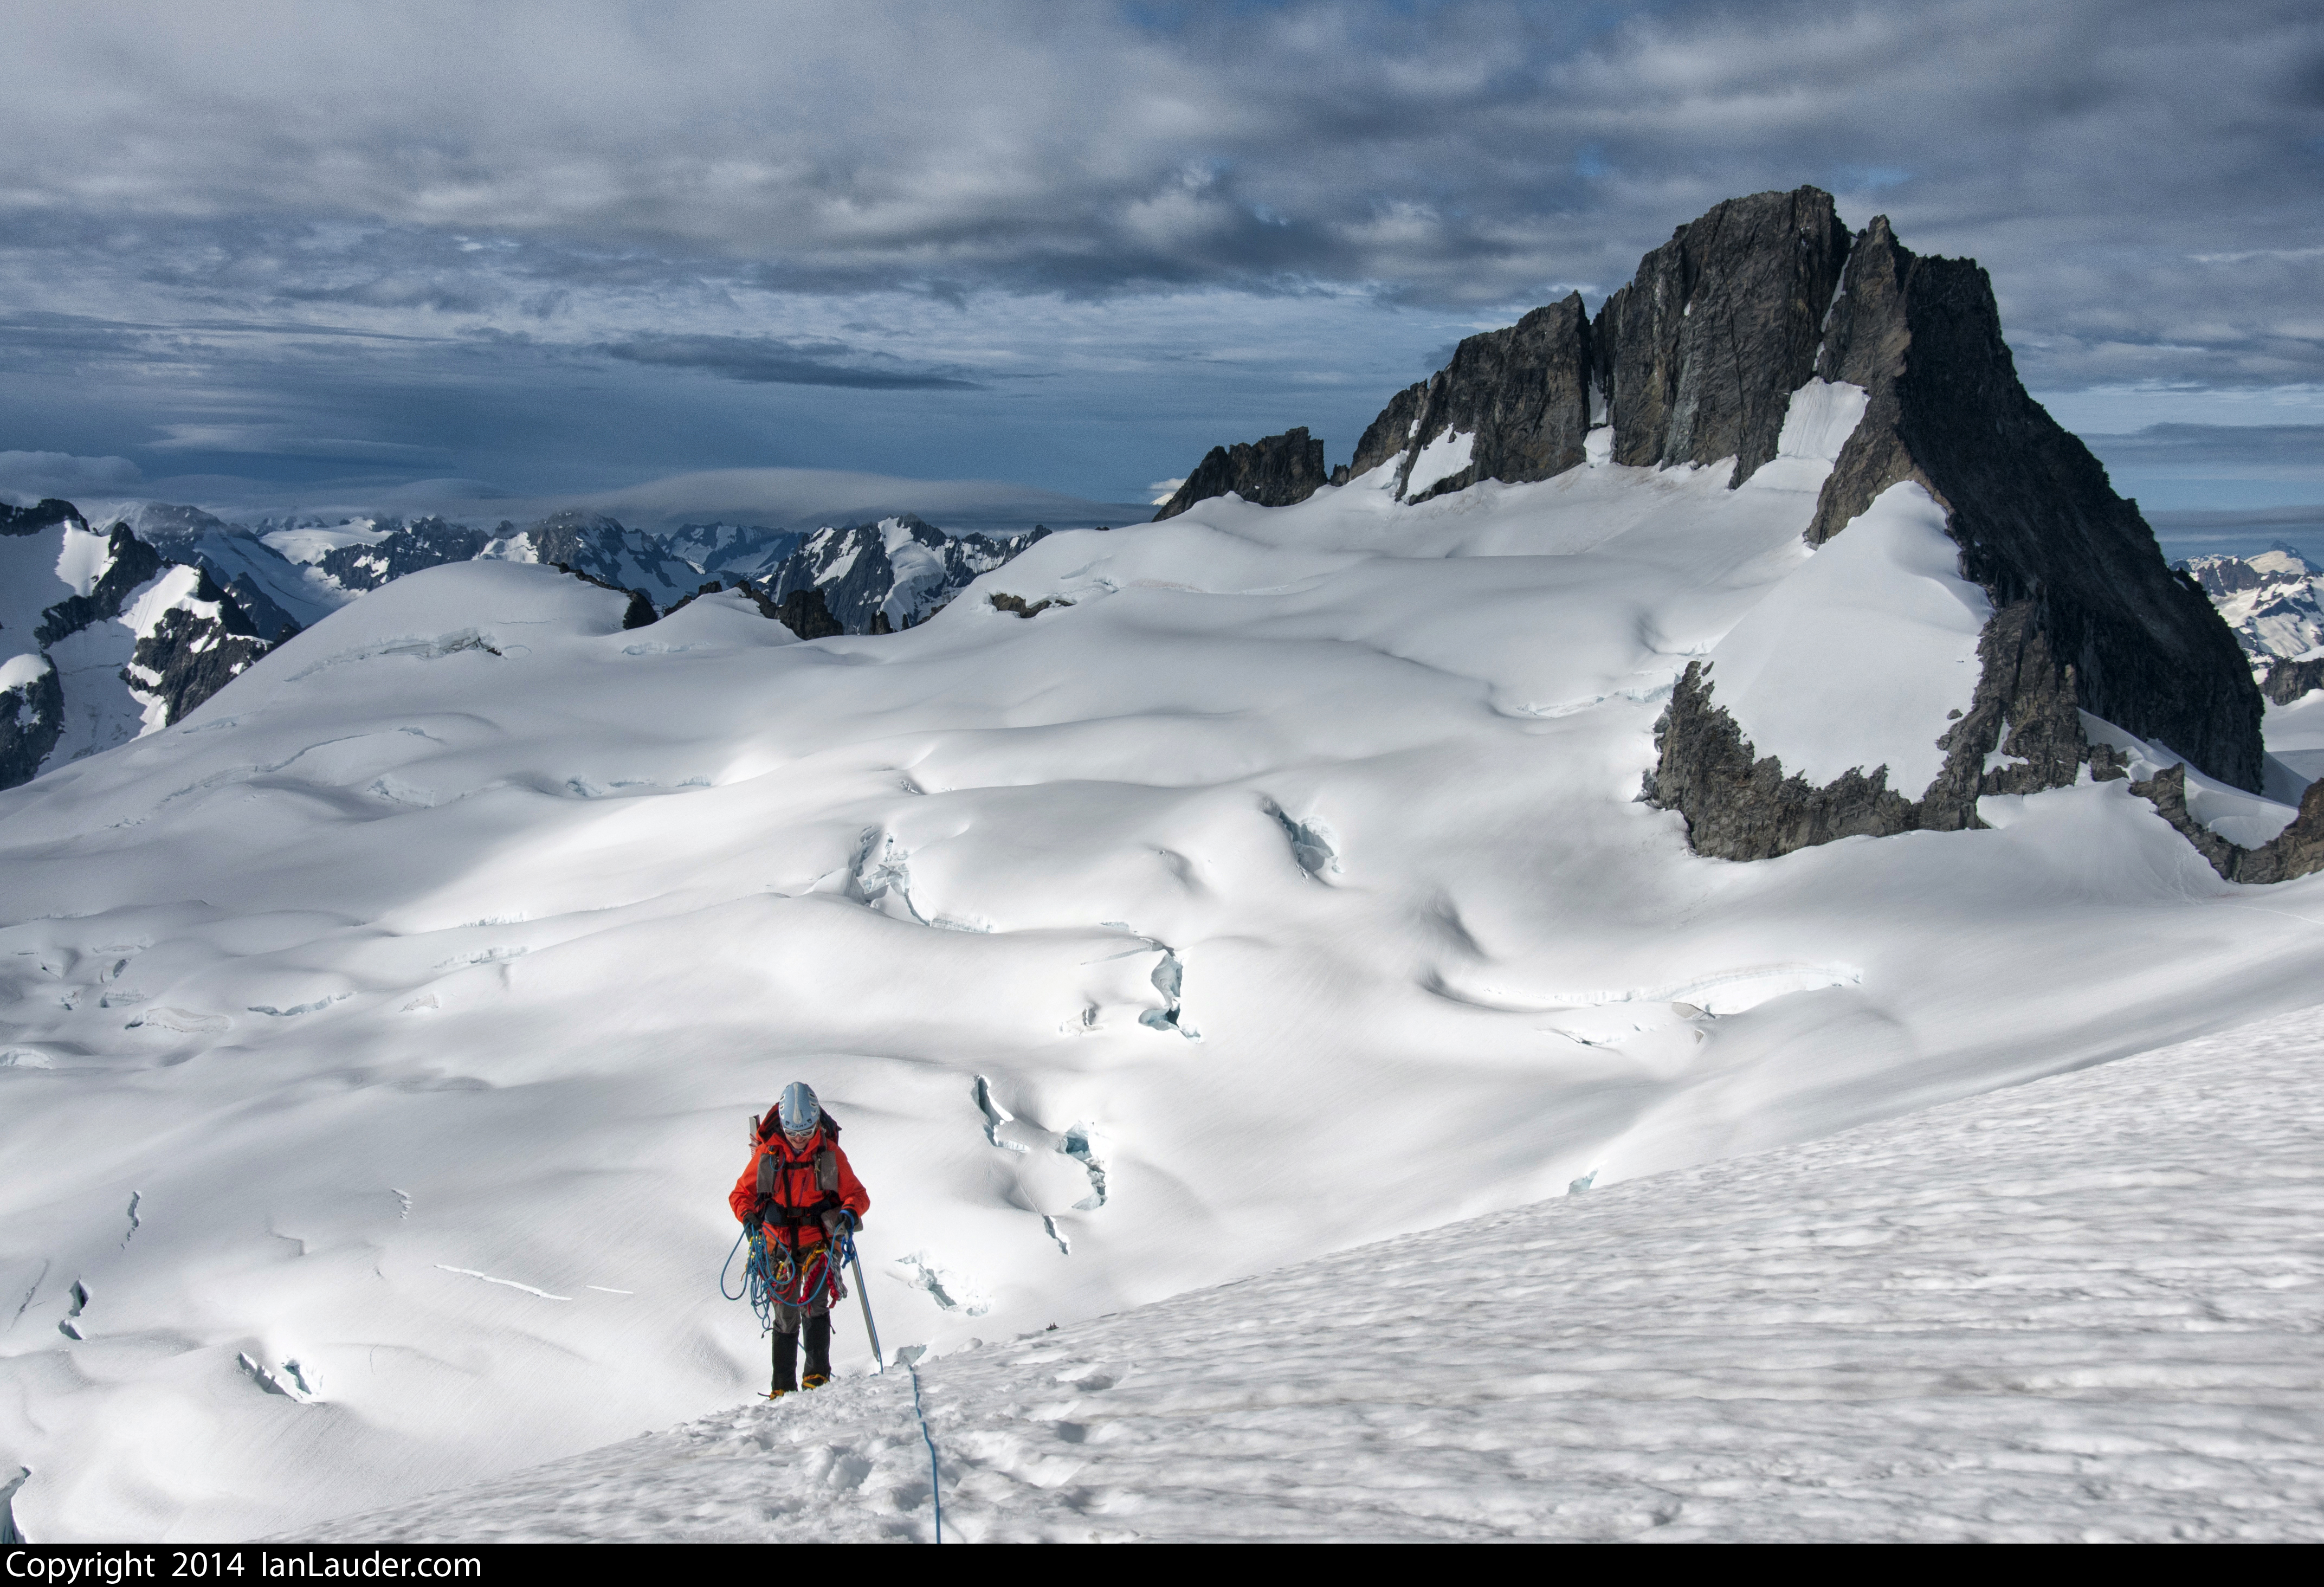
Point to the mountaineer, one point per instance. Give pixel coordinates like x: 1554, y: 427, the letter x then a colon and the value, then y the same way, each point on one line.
x: 802, y: 1196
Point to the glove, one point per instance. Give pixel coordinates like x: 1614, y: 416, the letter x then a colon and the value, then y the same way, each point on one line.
x: 835, y: 1219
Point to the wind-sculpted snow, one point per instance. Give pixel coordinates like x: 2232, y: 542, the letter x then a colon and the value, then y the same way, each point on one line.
x: 2086, y: 1309
x: 1290, y: 881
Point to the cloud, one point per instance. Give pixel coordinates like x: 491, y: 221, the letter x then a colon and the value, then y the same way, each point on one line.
x: 281, y: 441
x: 2237, y: 525
x: 2247, y: 454
x: 2240, y: 444
x: 765, y: 361
x: 27, y: 476
x: 775, y: 497
x: 487, y: 240
x: 1471, y: 150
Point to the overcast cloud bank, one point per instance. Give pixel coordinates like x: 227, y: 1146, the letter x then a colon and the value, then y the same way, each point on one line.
x: 561, y: 246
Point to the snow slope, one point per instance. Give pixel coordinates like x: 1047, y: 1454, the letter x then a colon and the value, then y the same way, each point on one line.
x: 380, y: 1039
x: 2090, y: 1308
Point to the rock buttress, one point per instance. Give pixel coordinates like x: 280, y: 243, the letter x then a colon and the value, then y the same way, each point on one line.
x: 1521, y: 394
x: 1273, y: 472
x: 2297, y: 850
x: 2038, y: 523
x: 2087, y: 614
x: 1699, y: 354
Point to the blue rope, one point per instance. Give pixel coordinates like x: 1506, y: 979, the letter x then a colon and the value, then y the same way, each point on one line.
x: 935, y: 1492
x: 763, y: 1273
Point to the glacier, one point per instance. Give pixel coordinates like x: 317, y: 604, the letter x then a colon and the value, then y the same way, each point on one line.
x: 415, y: 992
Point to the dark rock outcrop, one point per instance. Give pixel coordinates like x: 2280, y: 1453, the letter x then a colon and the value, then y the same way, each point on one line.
x: 189, y: 656
x: 1740, y: 805
x: 1273, y: 472
x: 2088, y: 616
x: 641, y: 610
x: 45, y: 514
x: 804, y: 611
x: 1023, y: 608
x: 2037, y: 521
x: 1521, y: 394
x: 32, y: 716
x: 2290, y: 680
x: 408, y: 548
x: 2297, y: 850
x: 1390, y: 434
x: 131, y: 562
x: 1699, y: 354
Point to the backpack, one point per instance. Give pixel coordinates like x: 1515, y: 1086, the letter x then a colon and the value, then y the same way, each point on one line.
x: 766, y: 1125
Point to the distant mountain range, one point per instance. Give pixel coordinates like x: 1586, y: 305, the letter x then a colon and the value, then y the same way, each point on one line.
x: 189, y: 600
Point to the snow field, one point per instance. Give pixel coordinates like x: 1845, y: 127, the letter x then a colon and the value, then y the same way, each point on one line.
x: 2090, y: 1308
x: 415, y: 992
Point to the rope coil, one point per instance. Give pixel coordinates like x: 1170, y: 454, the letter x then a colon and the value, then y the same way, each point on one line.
x: 770, y: 1278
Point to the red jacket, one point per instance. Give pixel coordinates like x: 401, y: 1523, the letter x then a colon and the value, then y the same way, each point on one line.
x: 799, y: 1187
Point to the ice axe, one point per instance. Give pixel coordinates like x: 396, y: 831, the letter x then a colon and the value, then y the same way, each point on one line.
x: 863, y: 1297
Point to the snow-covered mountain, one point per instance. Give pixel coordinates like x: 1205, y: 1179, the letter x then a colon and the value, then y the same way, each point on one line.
x: 601, y: 545
x: 281, y: 575
x: 357, y: 559
x: 750, y: 552
x: 101, y: 640
x: 874, y: 577
x: 885, y: 577
x: 2271, y: 602
x: 1177, y: 904
x: 275, y: 590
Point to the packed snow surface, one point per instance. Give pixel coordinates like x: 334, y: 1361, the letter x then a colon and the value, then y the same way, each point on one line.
x: 381, y: 1038
x: 2090, y: 1308
x: 1853, y: 661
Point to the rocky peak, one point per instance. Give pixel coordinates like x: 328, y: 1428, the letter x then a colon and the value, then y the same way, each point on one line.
x: 1273, y: 471
x: 2038, y: 523
x: 2223, y: 575
x: 1513, y: 404
x: 1694, y: 361
x: 42, y: 515
x: 1699, y: 353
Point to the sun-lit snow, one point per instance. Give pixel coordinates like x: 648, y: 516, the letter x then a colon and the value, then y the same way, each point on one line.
x: 1439, y: 461
x: 311, y: 542
x: 1863, y: 657
x: 1295, y: 869
x: 2295, y: 734
x: 2246, y: 818
x: 2085, y: 1309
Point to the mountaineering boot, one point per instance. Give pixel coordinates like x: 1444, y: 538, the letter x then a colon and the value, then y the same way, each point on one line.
x: 785, y: 1364
x: 818, y: 1350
